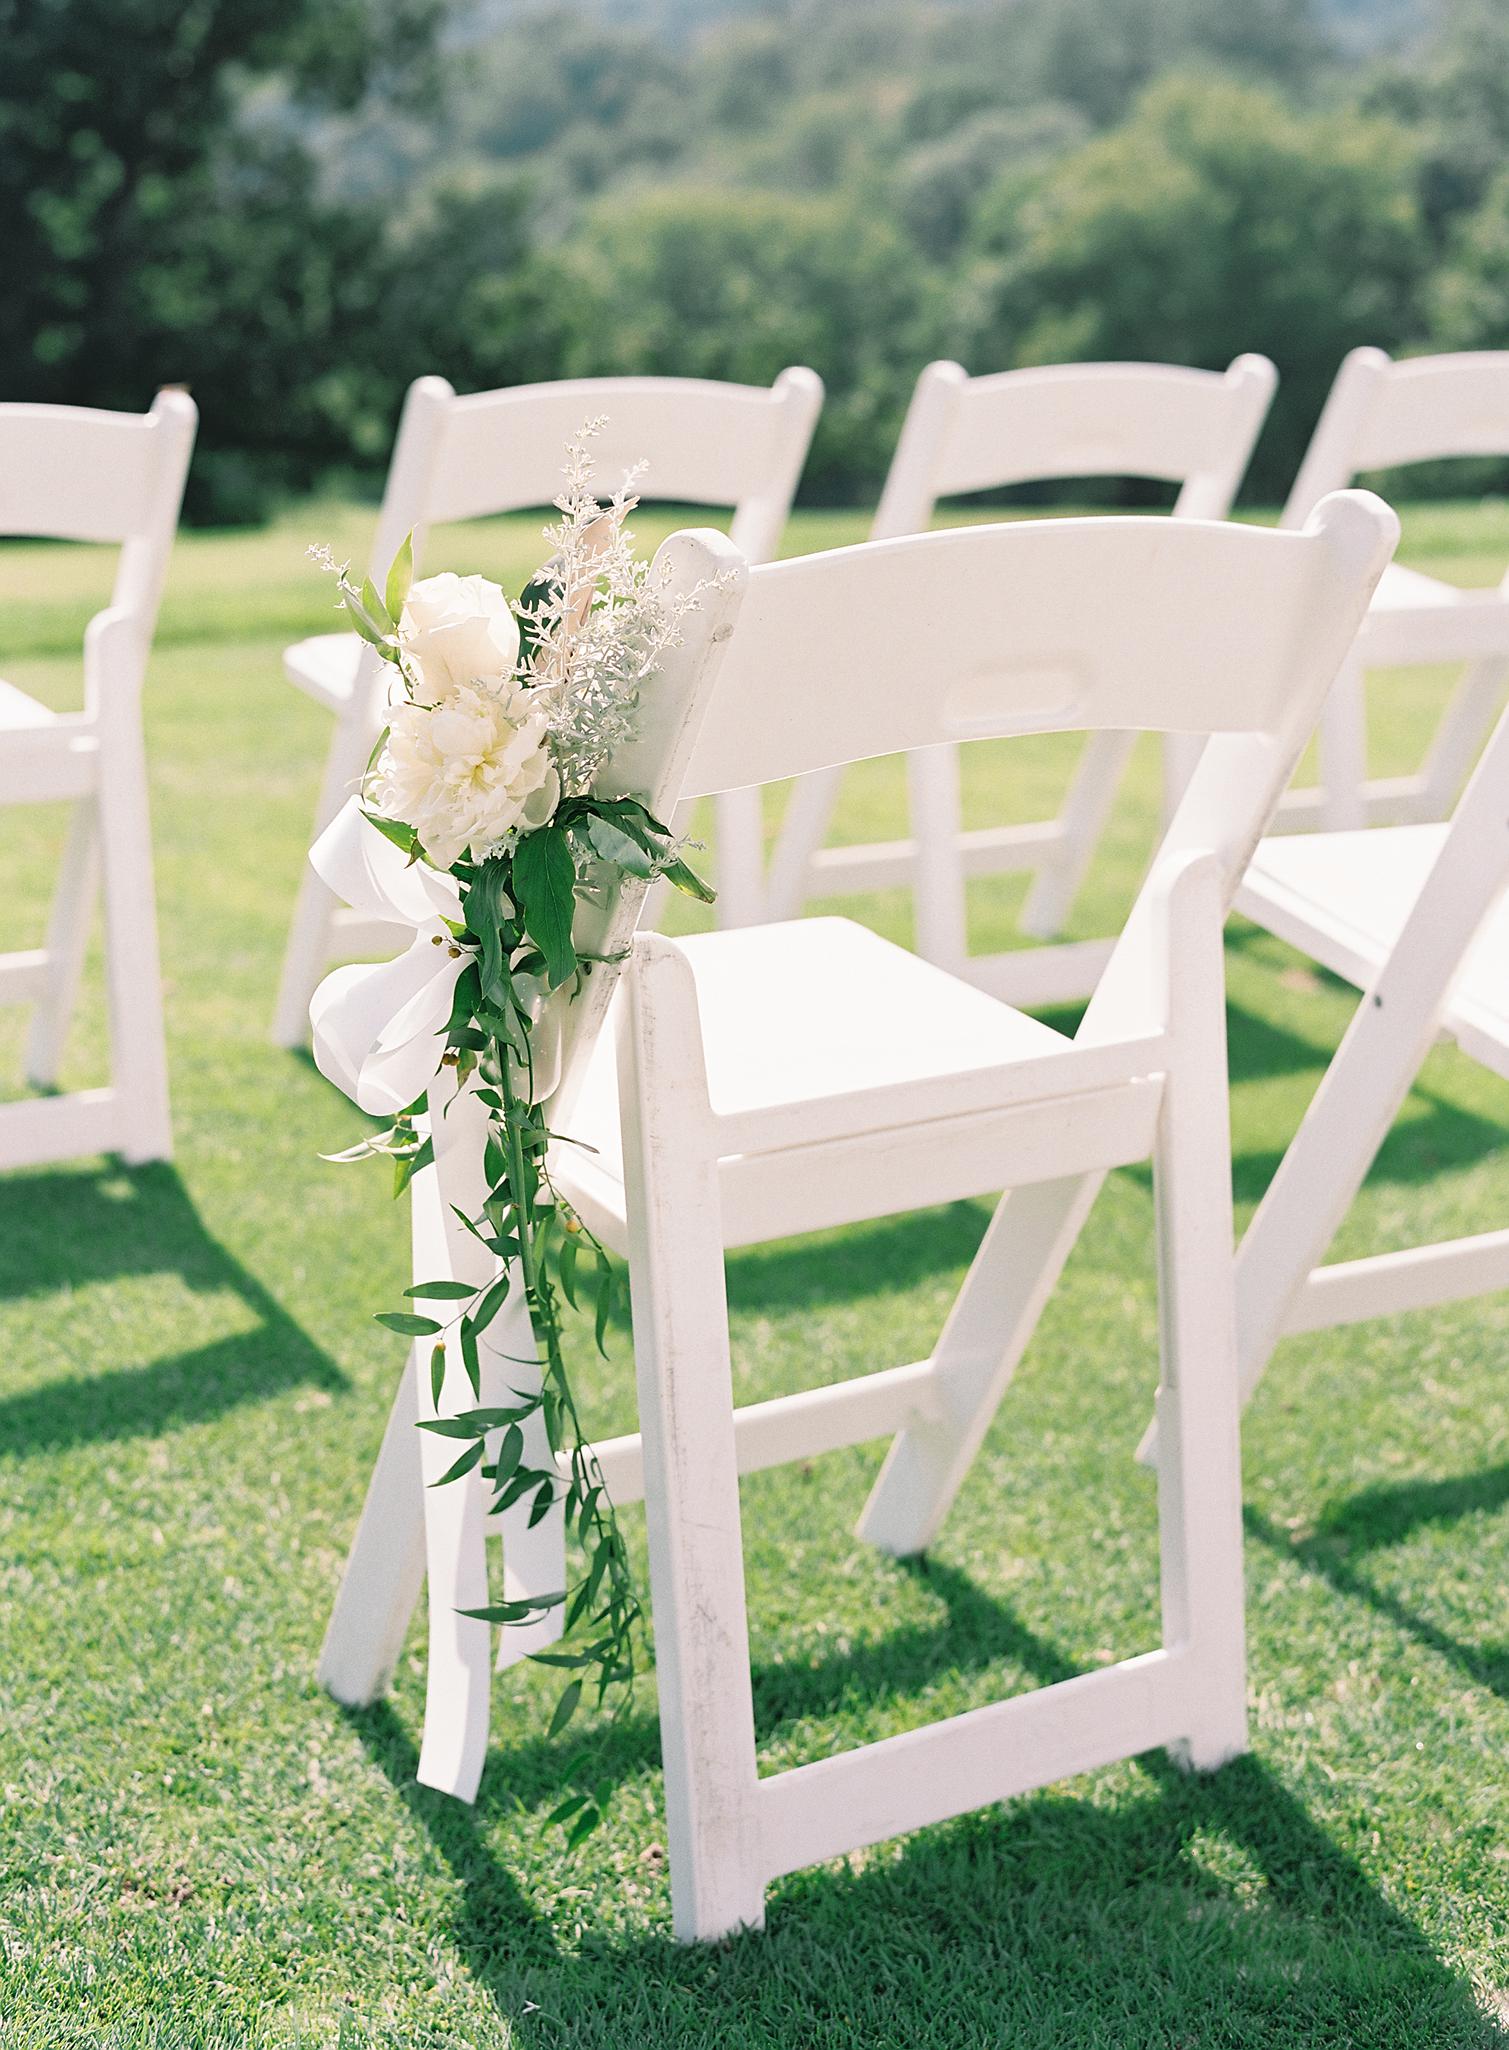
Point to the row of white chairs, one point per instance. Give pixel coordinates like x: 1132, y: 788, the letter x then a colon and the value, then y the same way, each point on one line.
x: 797, y: 1075
x: 457, y: 458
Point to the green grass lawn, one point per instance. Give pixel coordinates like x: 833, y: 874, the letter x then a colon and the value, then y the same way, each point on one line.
x: 198, y: 1848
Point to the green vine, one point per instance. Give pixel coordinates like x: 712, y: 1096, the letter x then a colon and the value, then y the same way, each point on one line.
x: 516, y: 932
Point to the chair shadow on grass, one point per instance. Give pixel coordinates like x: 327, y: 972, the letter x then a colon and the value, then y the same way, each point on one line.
x: 1375, y: 1518
x: 1204, y: 1909
x: 70, y: 1228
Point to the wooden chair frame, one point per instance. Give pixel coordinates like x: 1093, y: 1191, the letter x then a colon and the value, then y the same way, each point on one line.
x: 1144, y: 1077
x: 1383, y: 415
x: 67, y: 473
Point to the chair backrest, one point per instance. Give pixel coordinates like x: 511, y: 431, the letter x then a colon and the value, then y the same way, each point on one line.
x: 1194, y: 428
x: 461, y: 458
x: 1041, y: 626
x: 69, y: 473
x: 705, y: 569
x: 1382, y: 415
x: 1127, y: 621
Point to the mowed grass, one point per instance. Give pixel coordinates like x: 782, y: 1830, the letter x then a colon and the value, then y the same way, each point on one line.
x: 200, y: 1849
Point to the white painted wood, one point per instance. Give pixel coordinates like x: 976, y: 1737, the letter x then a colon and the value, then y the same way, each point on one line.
x: 1382, y: 415
x: 1418, y: 918
x: 461, y: 458
x: 384, y: 1576
x: 757, y: 1067
x: 1195, y: 428
x: 690, y: 1461
x: 1417, y: 1278
x: 71, y: 474
x: 1199, y: 1465
x: 788, y: 1427
x: 836, y: 1805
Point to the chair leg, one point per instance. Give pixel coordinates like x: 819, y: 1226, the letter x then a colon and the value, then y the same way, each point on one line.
x: 942, y: 911
x: 384, y: 1574
x: 804, y: 829
x: 740, y: 825
x: 1086, y: 807
x: 1013, y: 1274
x: 67, y: 942
x: 133, y: 974
x: 456, y: 1519
x: 1199, y: 1464
x: 311, y: 941
x: 1466, y: 724
x: 1344, y: 751
x: 691, y: 1472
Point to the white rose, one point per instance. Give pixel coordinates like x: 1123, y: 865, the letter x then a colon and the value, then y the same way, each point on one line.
x: 468, y: 770
x: 457, y: 630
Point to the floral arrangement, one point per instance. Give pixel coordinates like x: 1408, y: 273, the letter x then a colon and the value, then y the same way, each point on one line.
x: 504, y: 718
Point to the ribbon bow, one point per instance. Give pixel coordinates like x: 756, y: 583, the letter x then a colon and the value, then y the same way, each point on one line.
x: 377, y: 1027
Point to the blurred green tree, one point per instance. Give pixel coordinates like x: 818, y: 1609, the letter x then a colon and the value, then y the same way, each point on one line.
x: 1215, y: 220
x: 737, y: 285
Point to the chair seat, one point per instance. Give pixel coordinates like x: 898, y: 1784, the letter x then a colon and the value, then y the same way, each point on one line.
x: 1419, y: 618
x: 799, y: 1012
x: 1344, y: 897
x: 19, y: 713
x: 324, y: 667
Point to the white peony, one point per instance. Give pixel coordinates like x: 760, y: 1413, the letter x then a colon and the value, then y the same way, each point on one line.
x: 458, y: 630
x: 467, y: 770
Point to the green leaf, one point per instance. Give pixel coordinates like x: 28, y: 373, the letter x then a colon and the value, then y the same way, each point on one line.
x: 583, y: 1827
x: 565, y: 1261
x: 443, y: 1291
x: 544, y: 878
x: 393, y: 829
x: 407, y: 1165
x: 366, y: 622
x: 688, y: 882
x: 437, y: 1375
x: 510, y: 1452
x: 491, y: 1303
x: 450, y: 1426
x: 567, y: 1809
x: 464, y: 1464
x: 615, y: 846
x: 407, y: 1326
x: 604, y: 1304
x: 469, y: 1358
x: 543, y: 1503
x: 565, y: 1709
x: 400, y: 577
x: 514, y: 1612
x: 375, y: 609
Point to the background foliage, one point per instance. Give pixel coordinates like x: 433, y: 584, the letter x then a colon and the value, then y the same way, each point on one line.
x: 295, y: 207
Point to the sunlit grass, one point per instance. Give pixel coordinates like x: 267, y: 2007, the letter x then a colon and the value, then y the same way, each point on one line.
x: 199, y: 1849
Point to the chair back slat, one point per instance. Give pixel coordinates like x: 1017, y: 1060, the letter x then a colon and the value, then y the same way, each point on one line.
x: 1189, y: 427
x: 69, y: 473
x: 707, y: 443
x: 1122, y: 622
x: 1382, y: 415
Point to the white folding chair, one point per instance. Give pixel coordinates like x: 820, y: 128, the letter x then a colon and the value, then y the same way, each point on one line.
x: 464, y: 458
x: 76, y: 475
x: 1382, y: 415
x: 1194, y: 428
x: 793, y: 1077
x: 1417, y: 918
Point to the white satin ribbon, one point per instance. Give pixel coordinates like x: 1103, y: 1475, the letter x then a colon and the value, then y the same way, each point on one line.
x: 377, y: 1027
